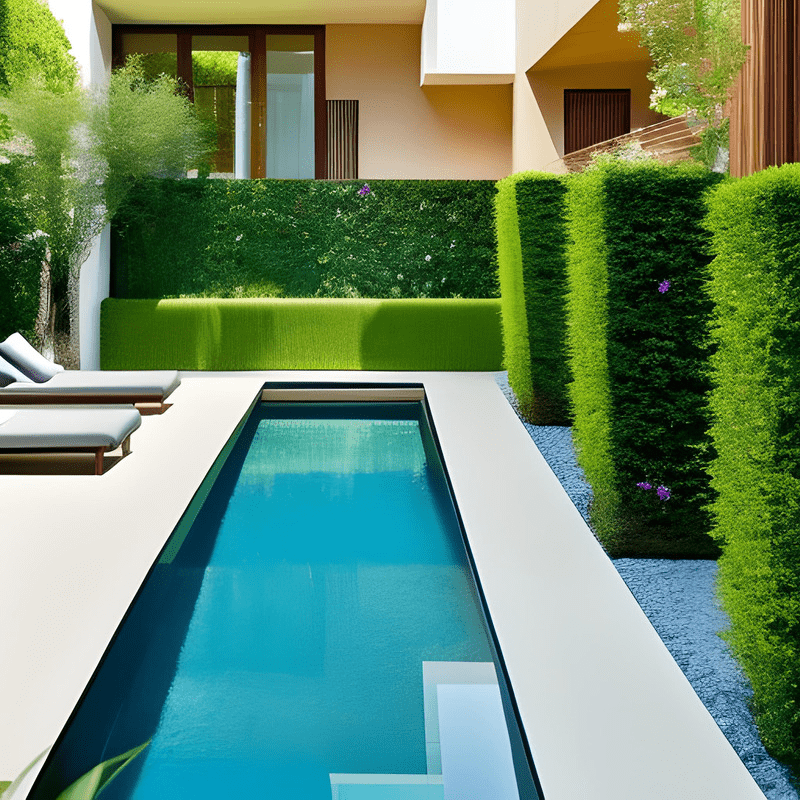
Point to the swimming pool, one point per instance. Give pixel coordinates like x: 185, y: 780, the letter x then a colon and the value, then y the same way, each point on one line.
x: 317, y: 632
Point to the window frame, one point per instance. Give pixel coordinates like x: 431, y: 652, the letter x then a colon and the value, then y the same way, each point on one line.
x: 258, y: 81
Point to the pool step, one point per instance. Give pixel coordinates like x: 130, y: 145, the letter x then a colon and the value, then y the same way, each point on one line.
x: 466, y: 742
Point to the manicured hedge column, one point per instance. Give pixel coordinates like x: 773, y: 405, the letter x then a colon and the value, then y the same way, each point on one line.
x: 755, y: 403
x: 637, y: 338
x: 531, y: 255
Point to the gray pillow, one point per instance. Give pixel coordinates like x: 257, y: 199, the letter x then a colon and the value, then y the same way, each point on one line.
x: 10, y: 374
x: 27, y: 359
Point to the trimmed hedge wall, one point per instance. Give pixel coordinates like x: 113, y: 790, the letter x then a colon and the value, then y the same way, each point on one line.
x: 532, y: 268
x: 261, y: 334
x: 638, y: 345
x: 755, y: 403
x: 269, y: 238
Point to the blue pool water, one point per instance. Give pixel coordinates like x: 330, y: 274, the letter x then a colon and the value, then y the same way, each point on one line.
x: 317, y: 634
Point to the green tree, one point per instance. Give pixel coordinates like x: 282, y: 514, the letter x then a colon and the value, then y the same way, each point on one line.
x: 79, y: 154
x: 32, y: 41
x: 697, y: 52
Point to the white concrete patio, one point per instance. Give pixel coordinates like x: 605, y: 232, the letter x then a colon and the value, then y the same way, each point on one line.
x: 607, y: 712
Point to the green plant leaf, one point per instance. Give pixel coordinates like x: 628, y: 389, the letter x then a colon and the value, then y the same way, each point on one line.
x: 11, y: 789
x: 93, y: 782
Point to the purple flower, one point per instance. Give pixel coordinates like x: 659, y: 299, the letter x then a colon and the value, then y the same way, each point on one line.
x: 664, y: 286
x: 663, y: 493
x: 364, y: 190
x: 644, y: 485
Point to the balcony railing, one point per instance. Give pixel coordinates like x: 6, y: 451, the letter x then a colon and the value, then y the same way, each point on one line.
x: 668, y: 141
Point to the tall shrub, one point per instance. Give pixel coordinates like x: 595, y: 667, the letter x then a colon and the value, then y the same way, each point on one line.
x: 638, y: 349
x: 697, y: 52
x: 80, y: 155
x: 531, y: 257
x: 755, y: 404
x: 32, y: 41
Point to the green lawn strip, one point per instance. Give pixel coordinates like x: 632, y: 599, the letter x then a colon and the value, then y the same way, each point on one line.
x: 755, y: 407
x: 261, y: 334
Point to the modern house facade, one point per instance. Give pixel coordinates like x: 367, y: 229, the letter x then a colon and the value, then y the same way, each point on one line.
x: 405, y: 89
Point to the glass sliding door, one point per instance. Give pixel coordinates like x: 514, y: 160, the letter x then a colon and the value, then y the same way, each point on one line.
x: 290, y: 107
x: 219, y: 64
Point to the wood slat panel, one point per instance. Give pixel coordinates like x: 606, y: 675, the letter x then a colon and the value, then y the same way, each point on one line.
x: 595, y: 115
x: 343, y: 139
x: 764, y: 131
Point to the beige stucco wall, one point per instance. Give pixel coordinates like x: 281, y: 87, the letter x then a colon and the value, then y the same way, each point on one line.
x: 547, y: 88
x: 570, y: 44
x: 408, y: 131
x: 539, y: 27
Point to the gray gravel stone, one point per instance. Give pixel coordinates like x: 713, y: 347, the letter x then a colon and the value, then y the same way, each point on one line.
x: 679, y: 598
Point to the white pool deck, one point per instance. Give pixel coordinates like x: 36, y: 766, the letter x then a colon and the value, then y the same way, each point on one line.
x: 607, y: 712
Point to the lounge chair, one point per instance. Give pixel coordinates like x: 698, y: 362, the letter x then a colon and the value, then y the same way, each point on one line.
x: 27, y: 377
x: 71, y: 429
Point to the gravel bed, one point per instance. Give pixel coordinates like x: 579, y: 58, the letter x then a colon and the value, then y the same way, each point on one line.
x: 678, y: 597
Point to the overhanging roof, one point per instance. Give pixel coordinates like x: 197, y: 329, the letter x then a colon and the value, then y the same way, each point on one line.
x: 275, y: 12
x: 594, y: 40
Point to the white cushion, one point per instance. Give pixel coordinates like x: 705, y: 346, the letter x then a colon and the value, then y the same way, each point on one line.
x: 27, y: 359
x: 10, y: 374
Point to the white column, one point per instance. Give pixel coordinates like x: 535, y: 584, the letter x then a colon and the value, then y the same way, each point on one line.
x: 242, y: 151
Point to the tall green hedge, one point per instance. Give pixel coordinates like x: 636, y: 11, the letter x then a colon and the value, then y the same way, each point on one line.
x: 638, y: 345
x: 531, y: 255
x: 261, y: 238
x: 270, y: 333
x: 755, y: 403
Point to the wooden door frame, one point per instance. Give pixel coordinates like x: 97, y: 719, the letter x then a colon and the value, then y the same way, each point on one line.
x: 258, y: 79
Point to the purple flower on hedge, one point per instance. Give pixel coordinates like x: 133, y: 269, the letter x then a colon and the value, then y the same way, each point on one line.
x: 664, y: 286
x: 663, y: 493
x: 644, y: 485
x: 364, y: 190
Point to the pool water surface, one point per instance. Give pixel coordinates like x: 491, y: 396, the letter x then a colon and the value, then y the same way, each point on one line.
x: 316, y: 634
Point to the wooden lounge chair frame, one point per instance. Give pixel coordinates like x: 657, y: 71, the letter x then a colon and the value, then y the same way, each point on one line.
x: 99, y: 452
